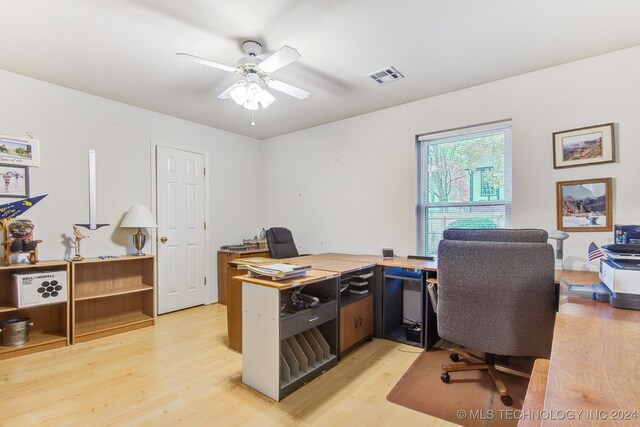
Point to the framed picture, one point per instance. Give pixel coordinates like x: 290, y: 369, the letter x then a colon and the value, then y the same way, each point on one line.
x: 19, y: 151
x: 14, y: 181
x: 584, y: 205
x: 583, y: 146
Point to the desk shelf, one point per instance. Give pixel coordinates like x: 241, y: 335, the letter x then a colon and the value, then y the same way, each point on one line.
x: 356, y: 310
x: 406, y: 300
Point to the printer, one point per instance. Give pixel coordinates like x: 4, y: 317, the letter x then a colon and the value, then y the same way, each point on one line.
x: 620, y: 274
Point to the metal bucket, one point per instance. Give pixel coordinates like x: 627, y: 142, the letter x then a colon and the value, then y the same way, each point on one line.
x: 15, y: 332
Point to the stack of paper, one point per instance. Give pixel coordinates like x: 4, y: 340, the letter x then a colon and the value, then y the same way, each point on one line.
x: 278, y: 271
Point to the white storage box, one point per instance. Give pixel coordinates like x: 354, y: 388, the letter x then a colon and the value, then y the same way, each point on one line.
x: 38, y: 288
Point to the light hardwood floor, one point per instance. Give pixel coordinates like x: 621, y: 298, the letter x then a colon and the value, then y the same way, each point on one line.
x: 181, y: 372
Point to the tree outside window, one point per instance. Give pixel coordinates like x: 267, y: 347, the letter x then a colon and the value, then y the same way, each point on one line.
x: 464, y: 183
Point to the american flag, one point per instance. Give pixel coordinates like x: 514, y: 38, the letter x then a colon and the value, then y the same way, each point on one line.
x: 594, y: 253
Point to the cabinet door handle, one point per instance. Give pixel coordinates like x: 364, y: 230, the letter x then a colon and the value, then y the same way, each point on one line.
x: 361, y: 320
x: 355, y: 325
x: 313, y: 319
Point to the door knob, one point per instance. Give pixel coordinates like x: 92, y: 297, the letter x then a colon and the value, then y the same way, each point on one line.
x: 163, y: 239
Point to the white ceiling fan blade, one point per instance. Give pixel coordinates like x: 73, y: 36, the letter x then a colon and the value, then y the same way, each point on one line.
x: 227, y: 93
x: 296, y: 92
x: 206, y: 62
x: 284, y: 56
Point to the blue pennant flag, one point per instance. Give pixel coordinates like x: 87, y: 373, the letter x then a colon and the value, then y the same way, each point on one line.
x: 13, y: 209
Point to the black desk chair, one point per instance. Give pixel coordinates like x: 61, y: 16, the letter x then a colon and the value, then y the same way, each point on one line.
x: 281, y: 244
x: 495, y: 295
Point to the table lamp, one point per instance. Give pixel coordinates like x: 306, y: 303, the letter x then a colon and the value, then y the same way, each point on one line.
x: 138, y: 217
x: 558, y: 236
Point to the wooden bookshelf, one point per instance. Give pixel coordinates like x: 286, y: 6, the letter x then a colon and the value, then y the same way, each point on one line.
x: 50, y: 321
x: 112, y: 295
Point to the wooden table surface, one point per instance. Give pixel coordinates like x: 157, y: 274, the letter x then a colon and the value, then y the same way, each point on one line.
x: 534, y: 401
x: 342, y: 266
x: 594, y: 364
x: 311, y: 259
x: 577, y: 277
x: 594, y: 367
x: 361, y: 258
x: 312, y: 276
x: 404, y: 262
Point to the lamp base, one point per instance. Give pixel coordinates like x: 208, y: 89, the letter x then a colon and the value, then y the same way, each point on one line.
x: 139, y: 239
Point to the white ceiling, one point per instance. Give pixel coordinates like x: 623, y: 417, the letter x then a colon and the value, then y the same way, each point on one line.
x: 125, y: 49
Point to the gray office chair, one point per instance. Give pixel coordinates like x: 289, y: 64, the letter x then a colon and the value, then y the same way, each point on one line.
x: 281, y: 244
x: 495, y: 295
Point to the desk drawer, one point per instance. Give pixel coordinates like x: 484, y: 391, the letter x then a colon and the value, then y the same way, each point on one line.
x: 297, y: 322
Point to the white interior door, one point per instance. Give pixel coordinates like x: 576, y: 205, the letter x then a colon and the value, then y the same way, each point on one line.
x: 180, y: 188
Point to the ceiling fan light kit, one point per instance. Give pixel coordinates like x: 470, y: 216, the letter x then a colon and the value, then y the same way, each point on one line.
x: 251, y: 92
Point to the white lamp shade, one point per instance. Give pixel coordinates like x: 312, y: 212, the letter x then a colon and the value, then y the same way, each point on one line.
x: 138, y: 217
x: 266, y: 99
x: 239, y: 94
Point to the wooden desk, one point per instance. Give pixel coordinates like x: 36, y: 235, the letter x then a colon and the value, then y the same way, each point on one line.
x: 329, y: 263
x: 534, y: 400
x: 224, y: 256
x: 311, y: 259
x: 593, y: 365
x: 234, y: 299
x: 577, y: 277
x: 283, y: 351
x: 356, y: 311
x: 411, y: 263
x: 342, y: 266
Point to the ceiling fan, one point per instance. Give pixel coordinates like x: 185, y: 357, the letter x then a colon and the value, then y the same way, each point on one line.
x: 250, y: 92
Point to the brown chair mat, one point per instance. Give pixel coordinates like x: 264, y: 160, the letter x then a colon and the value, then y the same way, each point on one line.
x: 473, y: 392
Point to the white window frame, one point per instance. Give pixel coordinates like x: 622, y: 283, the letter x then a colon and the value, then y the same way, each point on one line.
x: 422, y: 142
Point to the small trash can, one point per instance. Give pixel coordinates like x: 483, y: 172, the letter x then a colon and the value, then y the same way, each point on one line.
x: 15, y: 332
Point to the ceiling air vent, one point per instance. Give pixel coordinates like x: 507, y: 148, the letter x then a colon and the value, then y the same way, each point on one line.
x: 386, y: 75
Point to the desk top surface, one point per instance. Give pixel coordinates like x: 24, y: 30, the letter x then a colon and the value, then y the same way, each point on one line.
x: 342, y: 266
x: 311, y: 277
x: 311, y: 259
x: 593, y: 364
x: 344, y: 263
x: 404, y: 262
x: 577, y: 277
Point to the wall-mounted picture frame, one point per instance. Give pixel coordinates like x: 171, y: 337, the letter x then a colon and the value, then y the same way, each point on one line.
x: 584, y: 205
x: 14, y: 181
x: 584, y: 146
x: 19, y: 151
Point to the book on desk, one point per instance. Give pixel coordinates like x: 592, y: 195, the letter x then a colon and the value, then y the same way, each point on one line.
x: 278, y: 271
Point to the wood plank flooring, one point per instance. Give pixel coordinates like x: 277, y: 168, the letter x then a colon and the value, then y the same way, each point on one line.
x: 181, y: 372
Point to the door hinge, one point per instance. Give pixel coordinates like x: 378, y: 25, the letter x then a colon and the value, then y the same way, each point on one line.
x: 205, y: 281
x: 205, y: 225
x: 204, y: 171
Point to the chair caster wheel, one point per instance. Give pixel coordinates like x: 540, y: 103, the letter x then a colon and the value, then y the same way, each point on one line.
x: 507, y: 400
x: 454, y: 357
x: 445, y: 377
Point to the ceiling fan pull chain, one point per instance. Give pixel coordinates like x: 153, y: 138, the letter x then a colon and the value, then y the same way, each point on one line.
x: 253, y: 117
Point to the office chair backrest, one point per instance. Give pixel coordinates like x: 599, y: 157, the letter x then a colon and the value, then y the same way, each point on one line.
x: 281, y: 244
x: 497, y: 297
x: 523, y: 235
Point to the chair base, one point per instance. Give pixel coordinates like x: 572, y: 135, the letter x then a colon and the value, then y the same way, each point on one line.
x: 475, y: 363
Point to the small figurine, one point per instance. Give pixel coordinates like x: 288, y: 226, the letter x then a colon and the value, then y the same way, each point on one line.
x: 19, y: 239
x: 79, y: 236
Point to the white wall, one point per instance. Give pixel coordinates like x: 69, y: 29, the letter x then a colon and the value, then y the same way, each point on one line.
x: 351, y: 185
x: 68, y: 123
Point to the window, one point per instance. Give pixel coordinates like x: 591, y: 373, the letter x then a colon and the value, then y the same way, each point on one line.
x: 464, y: 181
